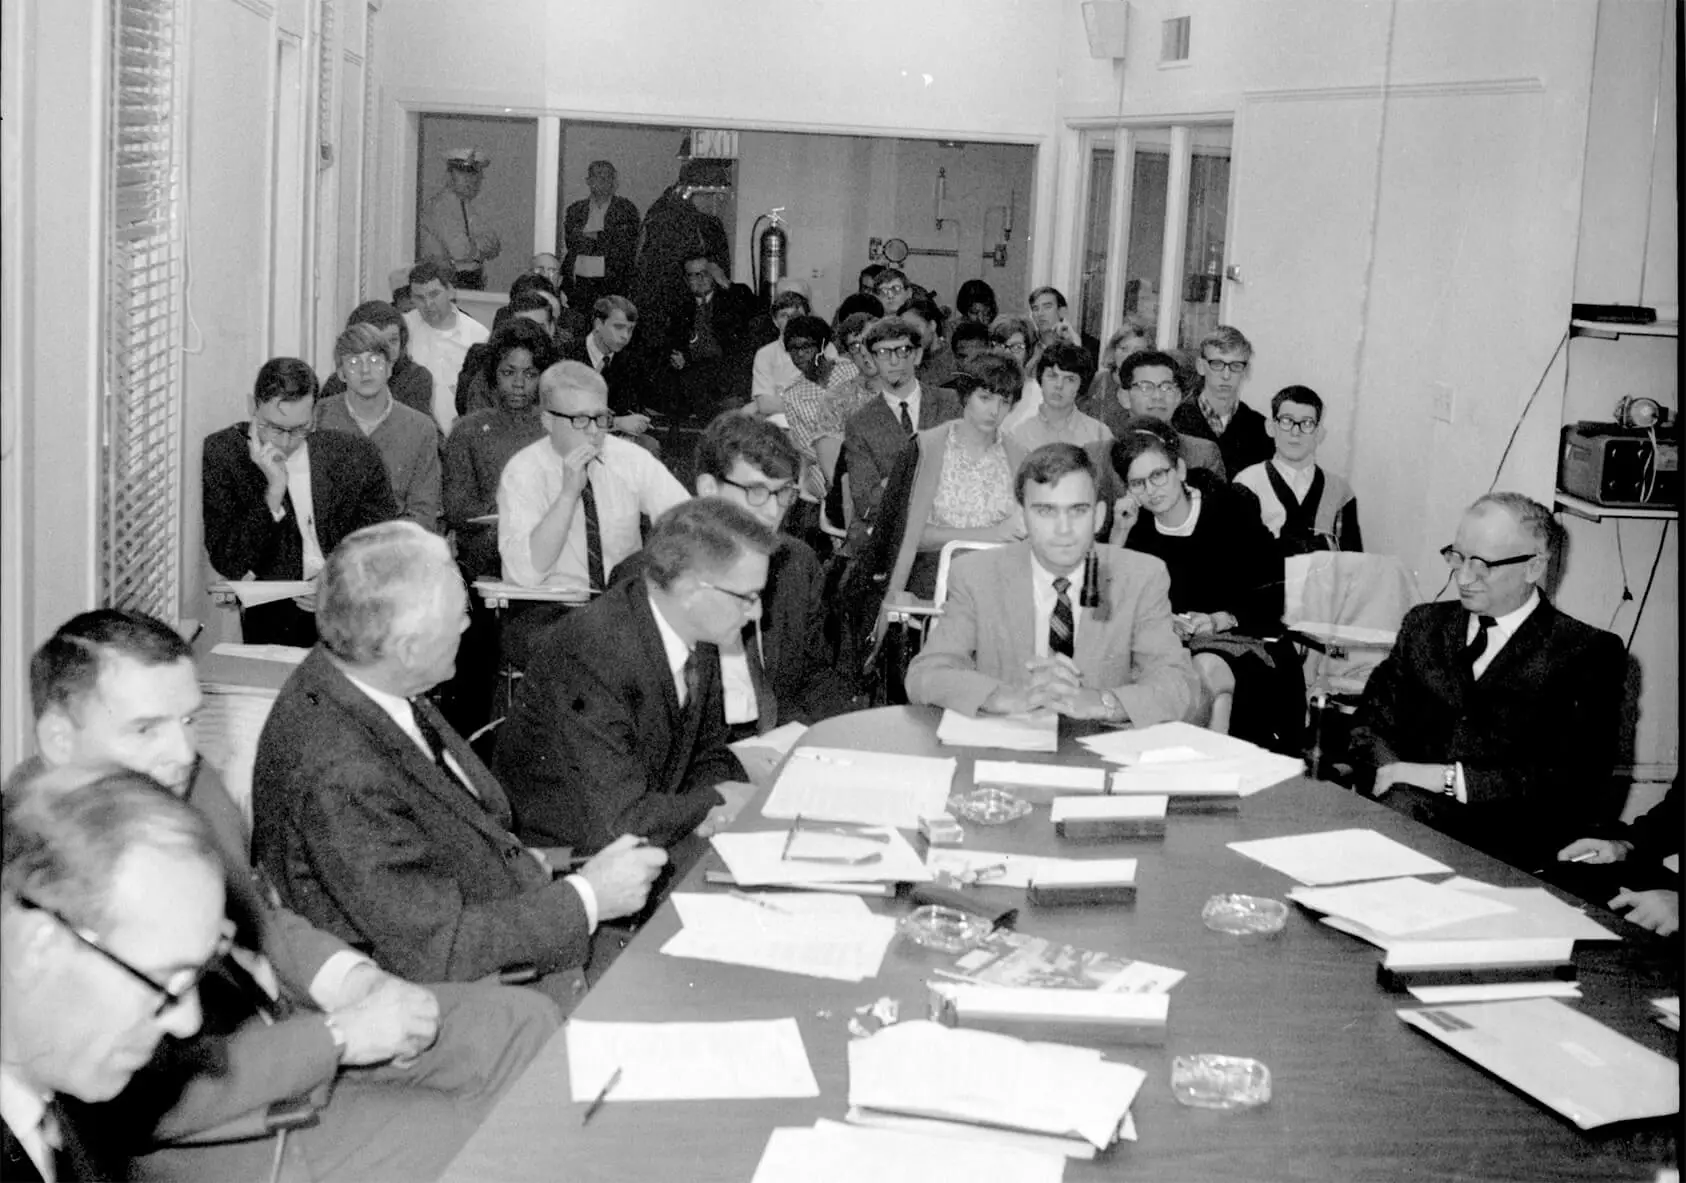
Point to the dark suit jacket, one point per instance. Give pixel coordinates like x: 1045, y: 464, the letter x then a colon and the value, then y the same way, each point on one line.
x: 793, y: 666
x: 367, y: 838
x: 873, y: 439
x: 1536, y: 734
x: 617, y: 243
x: 1245, y: 441
x: 732, y: 311
x: 81, y: 1158
x: 597, y: 746
x: 348, y: 489
x: 626, y: 386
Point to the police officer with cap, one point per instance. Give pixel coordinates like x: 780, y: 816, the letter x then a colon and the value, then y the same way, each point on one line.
x: 451, y: 229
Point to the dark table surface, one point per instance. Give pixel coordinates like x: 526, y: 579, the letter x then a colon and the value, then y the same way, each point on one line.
x: 1358, y: 1095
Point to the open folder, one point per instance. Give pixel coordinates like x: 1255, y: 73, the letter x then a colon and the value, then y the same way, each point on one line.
x: 1570, y: 1063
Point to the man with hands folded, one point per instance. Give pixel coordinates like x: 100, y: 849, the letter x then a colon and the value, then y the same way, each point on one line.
x: 1017, y: 632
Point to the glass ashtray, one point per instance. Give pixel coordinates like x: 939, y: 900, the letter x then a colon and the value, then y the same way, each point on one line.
x: 947, y: 930
x: 1244, y: 915
x: 989, y: 807
x: 1208, y: 1081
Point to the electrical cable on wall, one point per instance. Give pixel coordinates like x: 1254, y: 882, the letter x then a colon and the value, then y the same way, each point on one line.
x: 1627, y: 592
x: 1645, y: 595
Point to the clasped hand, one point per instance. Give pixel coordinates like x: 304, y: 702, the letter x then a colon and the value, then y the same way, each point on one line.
x: 386, y: 1018
x: 1054, y: 684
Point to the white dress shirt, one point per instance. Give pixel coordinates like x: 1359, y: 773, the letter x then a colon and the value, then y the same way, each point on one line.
x: 678, y: 653
x: 442, y: 352
x: 23, y: 1108
x: 1498, y: 636
x: 1043, y: 597
x: 1272, y: 512
x: 304, y: 509
x: 773, y: 371
x: 894, y: 402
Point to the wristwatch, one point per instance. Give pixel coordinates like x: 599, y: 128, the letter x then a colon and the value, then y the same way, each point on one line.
x: 1114, y: 708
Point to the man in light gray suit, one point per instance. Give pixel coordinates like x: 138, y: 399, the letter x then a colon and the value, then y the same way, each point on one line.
x: 1016, y: 634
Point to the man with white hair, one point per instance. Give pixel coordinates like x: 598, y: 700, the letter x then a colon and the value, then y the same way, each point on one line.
x: 377, y: 821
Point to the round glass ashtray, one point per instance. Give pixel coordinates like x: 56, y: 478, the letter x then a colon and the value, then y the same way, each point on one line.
x: 1244, y: 915
x: 1208, y: 1081
x: 947, y: 930
x: 989, y: 807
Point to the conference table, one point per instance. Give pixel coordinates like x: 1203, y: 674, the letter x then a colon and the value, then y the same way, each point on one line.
x: 1357, y: 1094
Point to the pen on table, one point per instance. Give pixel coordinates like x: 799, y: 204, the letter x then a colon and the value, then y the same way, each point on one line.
x: 757, y: 901
x: 1585, y: 856
x: 602, y: 1095
x: 790, y: 837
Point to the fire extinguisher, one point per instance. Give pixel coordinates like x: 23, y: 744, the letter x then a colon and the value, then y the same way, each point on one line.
x: 771, y: 253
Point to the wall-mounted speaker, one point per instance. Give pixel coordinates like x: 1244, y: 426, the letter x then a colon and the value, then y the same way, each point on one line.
x: 1107, y: 23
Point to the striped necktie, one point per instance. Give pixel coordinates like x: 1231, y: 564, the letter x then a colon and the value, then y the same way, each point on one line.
x: 593, y: 538
x: 1062, y: 627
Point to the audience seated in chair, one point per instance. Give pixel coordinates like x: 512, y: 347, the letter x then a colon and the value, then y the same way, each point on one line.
x: 1133, y: 337
x: 377, y: 822
x: 1149, y: 388
x: 278, y: 496
x: 411, y: 384
x: 533, y: 302
x: 1495, y: 718
x: 613, y: 321
x: 709, y: 350
x: 1217, y: 412
x: 1017, y: 336
x: 936, y: 359
x: 1304, y: 505
x: 773, y: 370
x: 1061, y: 372
x: 396, y: 1075
x: 816, y: 405
x: 1022, y: 629
x: 440, y: 335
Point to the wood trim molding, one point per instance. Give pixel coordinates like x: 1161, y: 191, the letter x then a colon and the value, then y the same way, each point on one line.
x: 1406, y: 90
x: 258, y: 8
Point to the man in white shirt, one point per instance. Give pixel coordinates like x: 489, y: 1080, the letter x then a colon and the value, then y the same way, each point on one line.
x: 441, y: 335
x: 773, y: 372
x: 111, y: 912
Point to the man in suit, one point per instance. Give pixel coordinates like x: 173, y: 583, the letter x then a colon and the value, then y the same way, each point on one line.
x: 1217, y: 412
x: 278, y: 496
x: 398, y: 1076
x: 613, y: 321
x: 378, y: 823
x: 709, y: 347
x: 1495, y: 718
x: 601, y: 237
x: 676, y: 226
x: 111, y: 910
x: 620, y: 724
x: 1150, y: 386
x: 1016, y: 634
x: 881, y: 430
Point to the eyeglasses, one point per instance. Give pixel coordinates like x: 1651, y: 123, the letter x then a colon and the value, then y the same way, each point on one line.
x: 689, y: 274
x: 302, y: 431
x: 366, y: 361
x: 1223, y: 367
x: 1295, y: 426
x: 1017, y: 349
x: 892, y: 352
x: 171, y: 996
x: 603, y: 420
x: 891, y: 289
x: 1157, y: 478
x: 1166, y: 387
x: 758, y: 494
x: 1478, y: 566
x: 747, y: 599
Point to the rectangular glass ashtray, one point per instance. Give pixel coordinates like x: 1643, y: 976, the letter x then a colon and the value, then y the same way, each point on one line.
x: 1209, y: 1081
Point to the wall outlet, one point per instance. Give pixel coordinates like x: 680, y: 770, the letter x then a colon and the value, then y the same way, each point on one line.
x: 1440, y: 402
x: 816, y: 273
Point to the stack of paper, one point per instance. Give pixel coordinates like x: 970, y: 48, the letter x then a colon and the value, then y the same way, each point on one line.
x: 860, y: 788
x: 1180, y: 758
x: 1054, y: 778
x: 1668, y: 1011
x: 997, y: 869
x: 1338, y: 856
x: 983, y: 1083
x: 822, y: 936
x: 1039, y: 732
x: 254, y: 593
x: 284, y: 654
x: 1396, y: 907
x: 766, y: 858
x: 831, y: 1152
x: 688, y: 1061
x: 760, y: 754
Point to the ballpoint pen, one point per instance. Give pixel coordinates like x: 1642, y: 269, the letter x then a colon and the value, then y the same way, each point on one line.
x: 758, y: 901
x: 602, y: 1095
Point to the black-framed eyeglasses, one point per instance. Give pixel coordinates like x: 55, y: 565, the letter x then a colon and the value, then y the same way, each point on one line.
x: 302, y: 431
x: 893, y: 352
x: 891, y: 289
x: 1165, y: 387
x: 1295, y: 426
x: 758, y: 494
x: 1224, y: 367
x: 1479, y: 567
x: 1157, y: 478
x: 1016, y: 348
x: 580, y: 422
x: 170, y: 996
x: 747, y: 599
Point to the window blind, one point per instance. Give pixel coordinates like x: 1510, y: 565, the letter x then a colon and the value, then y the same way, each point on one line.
x: 142, y: 397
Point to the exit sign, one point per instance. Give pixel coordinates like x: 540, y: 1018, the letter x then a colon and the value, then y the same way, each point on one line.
x: 708, y: 143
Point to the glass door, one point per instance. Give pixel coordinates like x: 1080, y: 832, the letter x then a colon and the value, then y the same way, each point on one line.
x: 1097, y: 226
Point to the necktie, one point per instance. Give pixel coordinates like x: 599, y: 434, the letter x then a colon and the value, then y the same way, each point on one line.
x: 423, y: 712
x: 1062, y: 627
x: 907, y: 420
x: 52, y: 1135
x: 1474, y: 650
x: 593, y: 538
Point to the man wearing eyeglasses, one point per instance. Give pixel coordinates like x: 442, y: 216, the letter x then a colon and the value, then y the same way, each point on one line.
x: 620, y: 724
x: 1150, y: 385
x: 111, y: 907
x: 296, y: 1006
x: 1495, y: 718
x: 1304, y: 505
x: 1217, y: 412
x: 278, y: 496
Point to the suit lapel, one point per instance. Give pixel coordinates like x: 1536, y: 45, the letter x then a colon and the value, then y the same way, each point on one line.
x: 648, y: 635
x: 1019, y: 607
x: 1523, y: 644
x: 1093, y: 635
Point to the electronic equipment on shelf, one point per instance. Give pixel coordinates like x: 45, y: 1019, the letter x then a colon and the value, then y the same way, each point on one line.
x: 1612, y: 465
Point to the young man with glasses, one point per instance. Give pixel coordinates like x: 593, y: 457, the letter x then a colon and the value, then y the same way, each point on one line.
x: 619, y: 726
x: 1217, y: 412
x: 1496, y: 717
x: 407, y: 440
x: 1304, y: 505
x: 279, y: 496
x: 1150, y: 385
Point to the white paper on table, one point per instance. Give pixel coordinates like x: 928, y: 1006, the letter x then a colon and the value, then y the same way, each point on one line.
x: 780, y: 739
x: 1494, y: 991
x: 923, y: 1069
x: 760, y: 754
x: 1134, y: 806
x: 860, y: 788
x: 1053, y: 872
x: 822, y: 936
x: 1535, y: 912
x: 1338, y: 856
x: 1016, y: 870
x: 1183, y: 750
x: 254, y: 593
x: 936, y: 1127
x: 1013, y: 774
x: 1396, y: 907
x: 755, y: 858
x: 1178, y: 780
x: 284, y: 654
x: 714, y: 909
x: 1038, y: 732
x: 689, y: 1061
x: 832, y: 1152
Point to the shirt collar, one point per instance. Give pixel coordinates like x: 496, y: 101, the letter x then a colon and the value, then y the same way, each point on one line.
x: 366, y: 425
x: 299, y: 461
x: 595, y: 351
x: 1042, y: 579
x: 1511, y: 621
x: 22, y: 1106
x: 678, y: 653
x: 895, y: 401
x: 1213, y: 414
